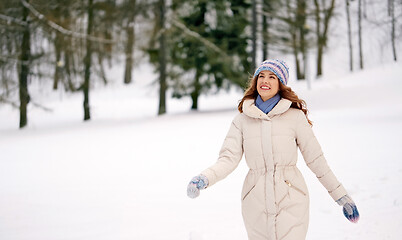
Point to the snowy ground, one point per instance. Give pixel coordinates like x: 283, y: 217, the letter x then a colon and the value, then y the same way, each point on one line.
x: 124, y: 174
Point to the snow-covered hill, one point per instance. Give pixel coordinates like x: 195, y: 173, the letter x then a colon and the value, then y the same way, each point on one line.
x: 124, y: 174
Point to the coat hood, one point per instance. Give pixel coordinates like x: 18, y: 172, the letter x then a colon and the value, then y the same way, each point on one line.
x: 251, y: 110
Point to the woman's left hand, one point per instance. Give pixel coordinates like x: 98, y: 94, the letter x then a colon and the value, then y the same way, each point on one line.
x: 196, y: 184
x: 349, y: 208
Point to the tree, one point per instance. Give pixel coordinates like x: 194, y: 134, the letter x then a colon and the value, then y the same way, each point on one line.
x: 11, y: 32
x: 208, y: 47
x: 294, y: 20
x: 323, y: 15
x: 191, y: 54
x: 88, y: 61
x: 162, y: 59
x: 24, y: 67
x: 67, y: 62
x: 349, y: 35
x: 24, y: 51
x: 129, y: 29
x: 105, y: 17
x: 265, y: 32
x: 391, y: 13
x: 288, y: 30
x: 253, y: 35
x: 359, y: 24
x: 272, y: 35
x: 298, y: 37
x: 127, y: 14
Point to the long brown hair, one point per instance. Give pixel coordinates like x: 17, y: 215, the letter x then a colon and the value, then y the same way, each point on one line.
x: 284, y: 91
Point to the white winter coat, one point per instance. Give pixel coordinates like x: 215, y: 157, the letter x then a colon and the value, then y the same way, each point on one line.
x: 275, y: 202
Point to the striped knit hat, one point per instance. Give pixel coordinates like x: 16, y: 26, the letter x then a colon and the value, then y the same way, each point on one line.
x: 279, y: 67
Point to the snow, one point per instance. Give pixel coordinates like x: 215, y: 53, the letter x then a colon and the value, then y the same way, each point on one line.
x: 123, y: 175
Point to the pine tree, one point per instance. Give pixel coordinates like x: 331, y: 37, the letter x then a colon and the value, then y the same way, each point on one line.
x: 217, y: 56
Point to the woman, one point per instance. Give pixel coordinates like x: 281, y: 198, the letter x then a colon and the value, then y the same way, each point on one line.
x: 271, y: 125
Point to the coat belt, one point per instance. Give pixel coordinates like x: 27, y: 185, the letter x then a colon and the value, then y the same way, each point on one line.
x: 276, y: 167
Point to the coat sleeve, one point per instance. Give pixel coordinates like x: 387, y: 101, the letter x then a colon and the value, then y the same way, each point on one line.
x: 314, y: 158
x: 229, y: 156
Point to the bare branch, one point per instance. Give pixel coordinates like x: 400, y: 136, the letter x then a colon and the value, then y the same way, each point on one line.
x: 13, y: 20
x: 63, y: 30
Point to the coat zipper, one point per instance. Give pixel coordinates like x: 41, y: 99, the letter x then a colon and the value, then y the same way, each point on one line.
x: 248, y: 192
x: 294, y: 187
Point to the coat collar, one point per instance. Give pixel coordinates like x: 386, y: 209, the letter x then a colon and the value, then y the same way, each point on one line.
x: 253, y: 111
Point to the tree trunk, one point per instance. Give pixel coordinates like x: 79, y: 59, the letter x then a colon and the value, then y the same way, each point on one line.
x: 24, y: 69
x: 319, y: 60
x: 318, y: 36
x: 130, y: 44
x: 58, y: 49
x: 4, y: 79
x: 299, y: 73
x: 301, y: 22
x: 265, y: 31
x: 67, y: 63
x: 294, y: 40
x: 162, y: 60
x: 129, y: 53
x: 264, y: 38
x: 322, y: 36
x: 296, y: 56
x: 87, y: 63
x: 349, y: 36
x: 102, y: 69
x: 57, y: 66
x: 196, y: 92
x: 392, y: 13
x: 254, y: 36
x: 360, y: 33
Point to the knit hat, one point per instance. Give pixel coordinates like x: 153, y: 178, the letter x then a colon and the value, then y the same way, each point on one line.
x: 279, y: 67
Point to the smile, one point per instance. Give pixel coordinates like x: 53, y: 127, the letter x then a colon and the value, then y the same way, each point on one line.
x: 264, y: 87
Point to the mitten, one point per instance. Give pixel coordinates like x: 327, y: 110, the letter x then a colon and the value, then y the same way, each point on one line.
x: 196, y: 184
x: 349, y: 208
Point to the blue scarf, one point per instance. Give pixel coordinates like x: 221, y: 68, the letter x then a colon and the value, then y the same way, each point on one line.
x: 268, y: 105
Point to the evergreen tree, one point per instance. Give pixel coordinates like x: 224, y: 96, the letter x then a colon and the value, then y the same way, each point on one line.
x: 217, y: 55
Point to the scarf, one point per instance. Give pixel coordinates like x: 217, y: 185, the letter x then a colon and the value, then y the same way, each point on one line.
x: 268, y: 105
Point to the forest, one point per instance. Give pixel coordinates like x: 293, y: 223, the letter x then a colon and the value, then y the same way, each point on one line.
x: 195, y: 46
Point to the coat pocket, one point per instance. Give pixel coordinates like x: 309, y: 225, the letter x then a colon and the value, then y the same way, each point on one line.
x: 245, y: 195
x: 294, y: 187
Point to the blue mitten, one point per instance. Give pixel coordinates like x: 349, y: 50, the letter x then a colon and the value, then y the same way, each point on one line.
x: 349, y: 208
x: 196, y: 184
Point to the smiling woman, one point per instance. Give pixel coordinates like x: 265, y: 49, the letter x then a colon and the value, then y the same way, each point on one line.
x: 271, y: 125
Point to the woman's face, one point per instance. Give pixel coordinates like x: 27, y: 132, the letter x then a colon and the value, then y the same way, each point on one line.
x: 267, y: 85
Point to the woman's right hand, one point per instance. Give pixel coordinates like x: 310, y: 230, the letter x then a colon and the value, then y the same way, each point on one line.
x: 196, y: 184
x: 349, y: 208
